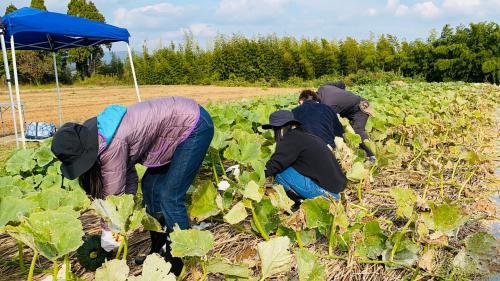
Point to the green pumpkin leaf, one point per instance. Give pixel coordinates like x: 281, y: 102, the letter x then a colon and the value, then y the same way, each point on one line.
x: 479, y: 251
x: 405, y: 200
x: 54, y: 169
x: 9, y: 188
x: 308, y: 236
x: 53, y: 233
x: 12, y: 208
x: 155, y: 268
x: 244, y: 152
x: 352, y: 139
x: 150, y: 223
x: 222, y: 266
x: 43, y: 156
x: 203, y: 203
x: 117, y: 212
x: 21, y: 161
x: 358, y: 172
x: 135, y: 220
x: 34, y: 180
x: 481, y: 245
x: 309, y: 267
x: 407, y: 253
x: 446, y: 217
x: 267, y: 216
x: 191, y: 242
x: 51, y: 181
x: 113, y: 270
x: 340, y: 219
x: 317, y: 214
x: 252, y: 191
x: 220, y: 140
x: 275, y: 256
x: 280, y: 200
x: 237, y: 214
x: 55, y: 197
x: 373, y: 241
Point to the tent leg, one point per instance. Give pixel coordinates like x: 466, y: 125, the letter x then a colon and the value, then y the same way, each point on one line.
x: 59, y: 110
x: 16, y: 83
x: 9, y: 84
x: 133, y: 73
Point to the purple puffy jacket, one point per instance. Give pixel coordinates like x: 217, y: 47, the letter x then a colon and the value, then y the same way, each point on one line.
x: 148, y: 133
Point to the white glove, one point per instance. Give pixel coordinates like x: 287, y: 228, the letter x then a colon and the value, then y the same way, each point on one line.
x: 108, y: 242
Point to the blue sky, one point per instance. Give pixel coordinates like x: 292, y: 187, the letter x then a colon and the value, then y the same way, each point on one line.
x: 158, y: 22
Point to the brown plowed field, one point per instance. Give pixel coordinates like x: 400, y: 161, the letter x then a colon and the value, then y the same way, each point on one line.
x: 81, y: 103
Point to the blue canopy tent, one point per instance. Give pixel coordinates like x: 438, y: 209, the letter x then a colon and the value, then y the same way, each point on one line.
x: 33, y: 29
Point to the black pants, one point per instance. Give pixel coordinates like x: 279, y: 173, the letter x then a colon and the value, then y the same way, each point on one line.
x: 358, y: 122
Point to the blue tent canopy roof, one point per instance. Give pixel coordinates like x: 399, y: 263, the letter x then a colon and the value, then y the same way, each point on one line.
x: 35, y: 29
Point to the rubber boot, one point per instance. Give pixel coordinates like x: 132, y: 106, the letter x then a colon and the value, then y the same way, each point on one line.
x: 297, y: 199
x: 177, y: 263
x: 158, y: 240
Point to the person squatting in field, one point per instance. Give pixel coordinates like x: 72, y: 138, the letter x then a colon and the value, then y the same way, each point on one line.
x: 168, y: 135
x: 317, y: 118
x: 302, y: 162
x: 350, y: 106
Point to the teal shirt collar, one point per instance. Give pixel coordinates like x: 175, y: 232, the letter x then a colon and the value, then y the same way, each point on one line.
x: 109, y: 120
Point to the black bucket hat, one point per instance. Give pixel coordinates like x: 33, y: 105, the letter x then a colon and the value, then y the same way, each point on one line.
x: 280, y: 118
x: 76, y: 146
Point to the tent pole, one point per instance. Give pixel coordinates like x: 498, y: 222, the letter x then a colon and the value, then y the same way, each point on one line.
x: 16, y: 83
x: 133, y: 73
x: 59, y: 111
x: 9, y: 84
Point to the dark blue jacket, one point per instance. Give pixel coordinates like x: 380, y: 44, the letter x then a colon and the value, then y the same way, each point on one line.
x: 343, y: 102
x: 320, y: 120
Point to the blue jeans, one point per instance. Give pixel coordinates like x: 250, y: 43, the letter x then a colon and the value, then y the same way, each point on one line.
x: 164, y: 188
x: 302, y: 185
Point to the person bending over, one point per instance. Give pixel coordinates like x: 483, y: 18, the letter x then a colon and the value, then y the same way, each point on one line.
x: 350, y: 106
x: 317, y: 118
x: 302, y: 162
x: 168, y: 135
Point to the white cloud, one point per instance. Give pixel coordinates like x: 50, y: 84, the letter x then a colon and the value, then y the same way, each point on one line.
x: 372, y: 12
x: 472, y: 7
x: 426, y: 9
x: 401, y: 10
x: 203, y: 30
x: 422, y: 9
x: 250, y: 10
x: 394, y: 7
x: 199, y: 30
x: 151, y: 16
x: 462, y: 5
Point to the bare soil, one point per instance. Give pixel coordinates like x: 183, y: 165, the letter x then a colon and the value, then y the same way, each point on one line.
x: 81, y: 103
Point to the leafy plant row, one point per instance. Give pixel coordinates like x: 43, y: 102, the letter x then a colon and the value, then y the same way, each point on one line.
x: 421, y: 131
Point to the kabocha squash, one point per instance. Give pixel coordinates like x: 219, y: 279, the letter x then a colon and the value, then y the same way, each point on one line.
x: 90, y: 255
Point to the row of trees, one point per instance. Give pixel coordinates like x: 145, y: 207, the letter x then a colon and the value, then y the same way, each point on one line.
x: 35, y: 67
x: 467, y: 53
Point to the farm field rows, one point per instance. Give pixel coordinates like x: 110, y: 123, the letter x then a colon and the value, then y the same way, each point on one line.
x: 418, y: 213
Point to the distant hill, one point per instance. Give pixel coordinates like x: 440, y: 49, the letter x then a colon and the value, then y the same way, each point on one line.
x: 121, y: 54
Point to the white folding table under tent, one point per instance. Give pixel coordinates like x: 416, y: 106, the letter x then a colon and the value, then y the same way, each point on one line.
x: 33, y: 29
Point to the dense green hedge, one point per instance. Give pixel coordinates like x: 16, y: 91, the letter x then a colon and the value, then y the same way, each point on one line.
x: 469, y: 54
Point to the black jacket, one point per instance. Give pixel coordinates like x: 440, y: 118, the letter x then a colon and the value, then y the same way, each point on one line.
x: 320, y: 120
x: 310, y: 156
x: 344, y: 102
